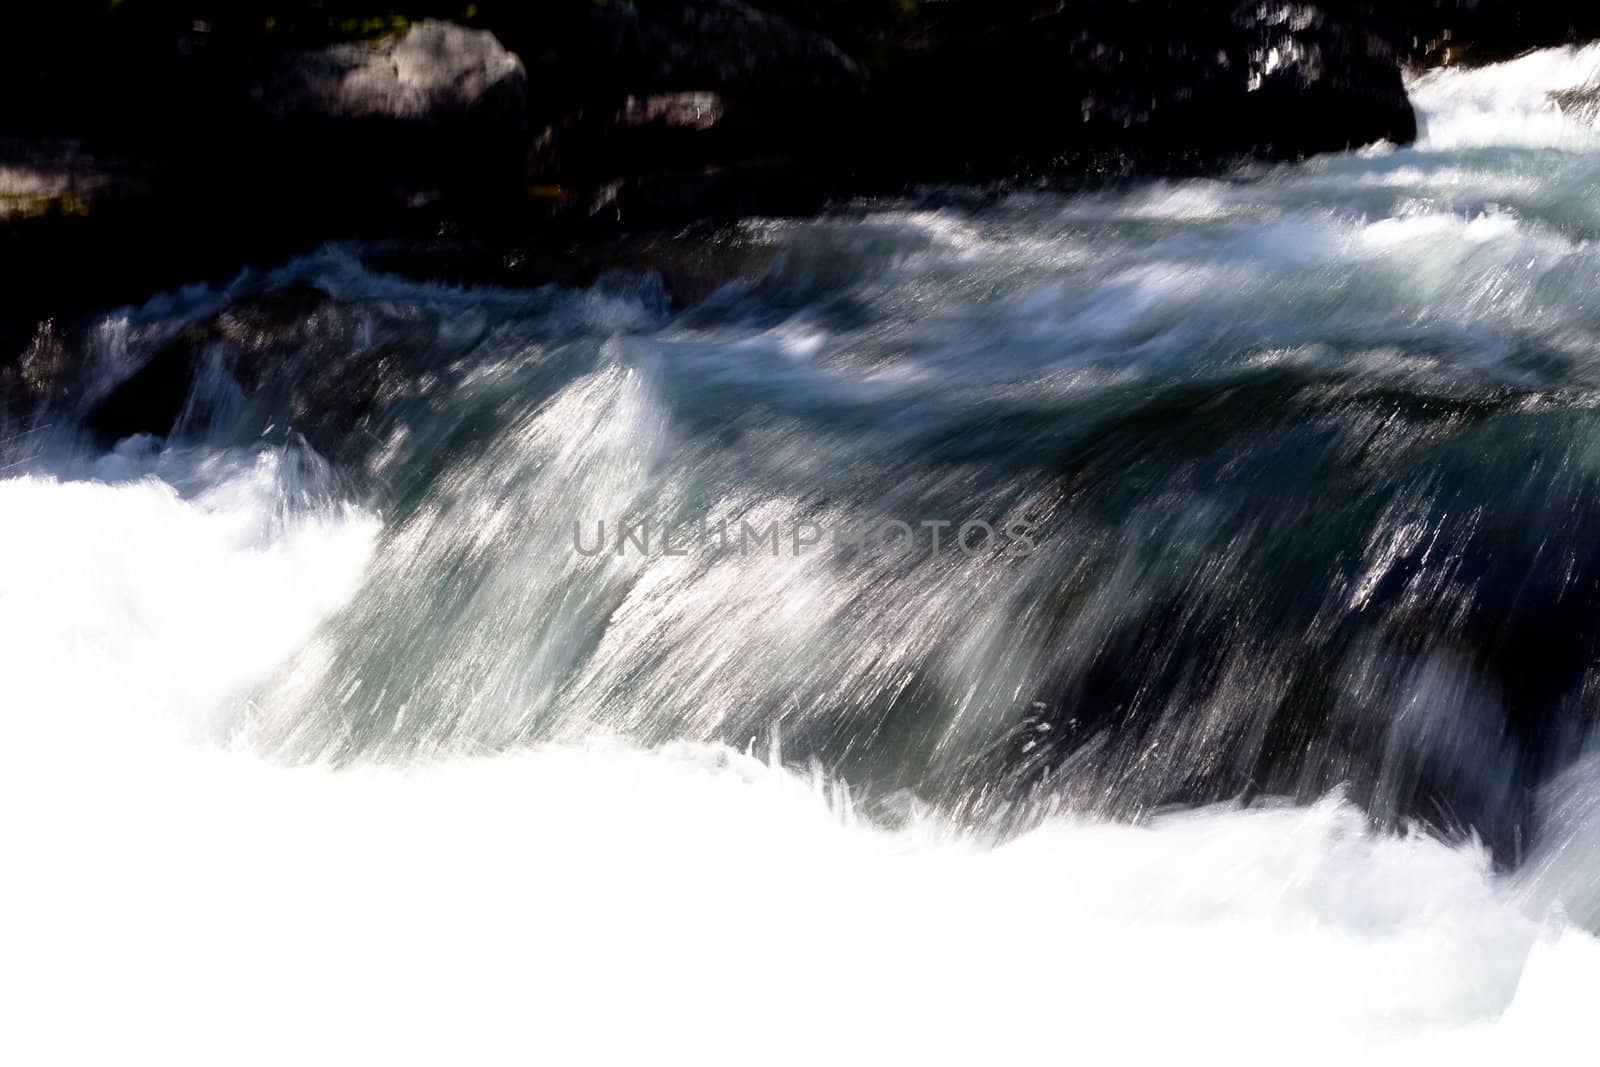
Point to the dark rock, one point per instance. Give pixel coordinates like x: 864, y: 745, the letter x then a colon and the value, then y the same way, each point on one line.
x: 1138, y: 87
x: 712, y: 109
x: 570, y: 116
x: 154, y: 397
x: 437, y: 117
x: 270, y: 317
x: 192, y: 154
x: 689, y: 271
x: 292, y: 358
x: 688, y: 110
x: 1441, y: 32
x: 585, y: 55
x: 41, y: 375
x: 733, y: 47
x: 718, y: 192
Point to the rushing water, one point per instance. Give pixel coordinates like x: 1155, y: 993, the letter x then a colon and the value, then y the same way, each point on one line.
x: 329, y: 736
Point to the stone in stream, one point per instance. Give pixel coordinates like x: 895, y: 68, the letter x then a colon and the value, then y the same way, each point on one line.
x: 436, y: 72
x: 153, y: 398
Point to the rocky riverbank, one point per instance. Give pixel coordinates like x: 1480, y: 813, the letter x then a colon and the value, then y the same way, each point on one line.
x: 163, y: 142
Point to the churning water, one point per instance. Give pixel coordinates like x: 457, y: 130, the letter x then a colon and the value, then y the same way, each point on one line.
x: 329, y: 739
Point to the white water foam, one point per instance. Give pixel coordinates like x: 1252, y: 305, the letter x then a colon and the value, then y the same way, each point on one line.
x: 599, y: 903
x: 1508, y: 104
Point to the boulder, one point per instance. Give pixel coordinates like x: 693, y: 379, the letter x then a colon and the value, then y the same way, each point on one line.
x: 1443, y: 32
x: 593, y: 54
x: 1108, y: 85
x: 62, y: 178
x: 434, y: 120
x: 711, y: 108
x: 321, y: 366
x: 247, y: 332
x: 733, y: 47
x: 668, y: 111
x: 436, y: 72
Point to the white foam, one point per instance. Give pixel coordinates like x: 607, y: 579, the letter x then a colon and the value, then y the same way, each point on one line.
x: 597, y: 902
x: 124, y: 597
x: 1507, y: 104
x: 601, y: 903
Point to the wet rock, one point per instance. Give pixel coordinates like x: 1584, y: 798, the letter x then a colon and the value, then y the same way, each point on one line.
x: 243, y: 335
x: 274, y: 317
x: 1444, y: 32
x: 291, y: 360
x: 151, y: 400
x: 41, y: 375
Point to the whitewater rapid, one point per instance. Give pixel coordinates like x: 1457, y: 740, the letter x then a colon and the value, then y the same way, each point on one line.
x: 597, y: 901
x: 175, y: 618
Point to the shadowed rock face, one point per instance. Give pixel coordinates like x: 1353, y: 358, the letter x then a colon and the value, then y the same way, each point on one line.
x: 969, y: 92
x: 637, y: 113
x: 1114, y: 86
x: 1483, y: 31
x: 676, y: 105
x: 731, y: 45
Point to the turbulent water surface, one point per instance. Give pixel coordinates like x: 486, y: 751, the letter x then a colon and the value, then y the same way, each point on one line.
x: 1255, y: 723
